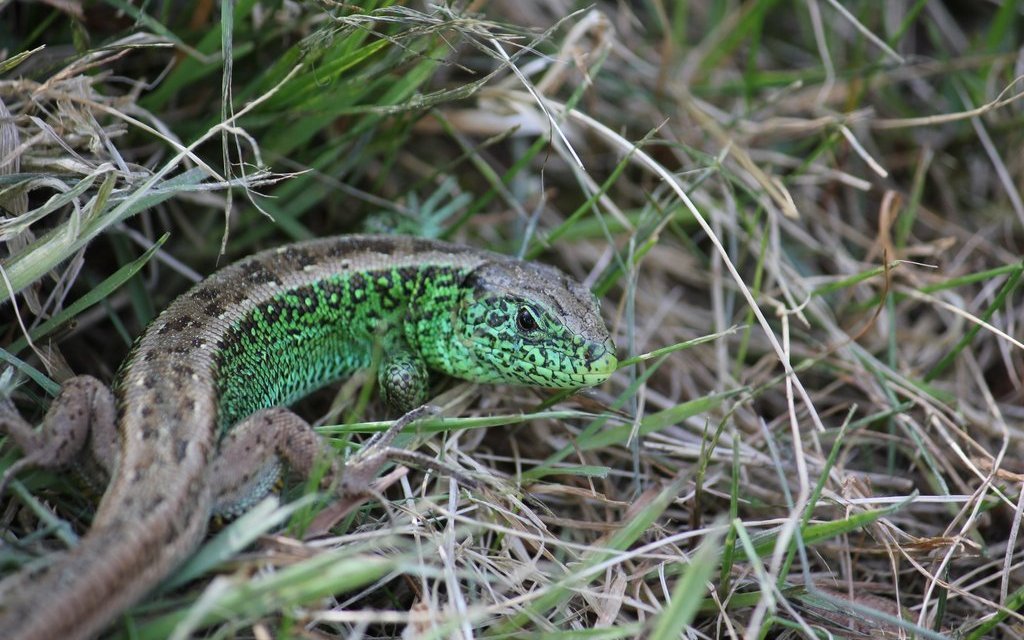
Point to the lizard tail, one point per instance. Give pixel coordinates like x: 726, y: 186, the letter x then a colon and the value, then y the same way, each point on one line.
x: 79, y: 592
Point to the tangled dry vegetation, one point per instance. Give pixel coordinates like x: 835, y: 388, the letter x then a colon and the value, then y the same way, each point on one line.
x: 804, y: 219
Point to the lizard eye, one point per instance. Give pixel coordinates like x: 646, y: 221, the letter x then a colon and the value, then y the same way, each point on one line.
x: 525, y: 321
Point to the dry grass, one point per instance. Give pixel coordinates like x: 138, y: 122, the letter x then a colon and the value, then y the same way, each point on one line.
x: 830, y: 191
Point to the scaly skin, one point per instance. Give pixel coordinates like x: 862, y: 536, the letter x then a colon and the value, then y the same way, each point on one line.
x: 260, y: 334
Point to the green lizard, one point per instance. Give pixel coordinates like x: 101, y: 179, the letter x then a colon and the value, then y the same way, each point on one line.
x: 197, y: 425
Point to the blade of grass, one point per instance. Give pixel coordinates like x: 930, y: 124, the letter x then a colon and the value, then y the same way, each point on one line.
x: 266, y: 516
x: 592, y: 564
x: 998, y: 301
x: 249, y: 598
x: 688, y: 592
x: 97, y: 294
x: 764, y: 544
x: 63, y: 241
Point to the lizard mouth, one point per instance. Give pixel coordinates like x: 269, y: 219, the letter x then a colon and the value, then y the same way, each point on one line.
x: 601, y: 368
x: 583, y: 366
x: 598, y: 365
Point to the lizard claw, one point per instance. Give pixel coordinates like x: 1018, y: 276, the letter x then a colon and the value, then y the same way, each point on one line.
x: 383, y: 439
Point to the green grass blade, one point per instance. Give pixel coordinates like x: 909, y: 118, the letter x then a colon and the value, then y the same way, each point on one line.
x: 688, y: 593
x: 98, y: 293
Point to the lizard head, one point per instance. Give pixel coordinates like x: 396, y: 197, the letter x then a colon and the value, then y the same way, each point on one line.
x: 528, y: 323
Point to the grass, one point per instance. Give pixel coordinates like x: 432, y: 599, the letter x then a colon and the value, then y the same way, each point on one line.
x: 803, y: 218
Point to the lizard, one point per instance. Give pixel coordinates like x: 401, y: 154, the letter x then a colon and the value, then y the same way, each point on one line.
x: 197, y: 425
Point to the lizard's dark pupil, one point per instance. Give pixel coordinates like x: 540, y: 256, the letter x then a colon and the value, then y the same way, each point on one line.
x: 525, y: 321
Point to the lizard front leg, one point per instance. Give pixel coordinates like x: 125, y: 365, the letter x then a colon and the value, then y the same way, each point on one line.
x: 356, y: 483
x: 247, y: 463
x: 403, y: 376
x: 81, y: 418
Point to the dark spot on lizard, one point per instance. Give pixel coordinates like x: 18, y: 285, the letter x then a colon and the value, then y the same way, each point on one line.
x: 213, y: 308
x: 172, y: 533
x: 257, y: 273
x: 409, y: 277
x: 272, y: 312
x: 429, y: 273
x: 308, y: 300
x: 377, y: 245
x: 176, y: 323
x: 338, y: 249
x: 301, y: 257
x: 357, y: 282
x: 180, y: 450
x: 205, y: 293
x: 233, y: 296
x: 331, y: 286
